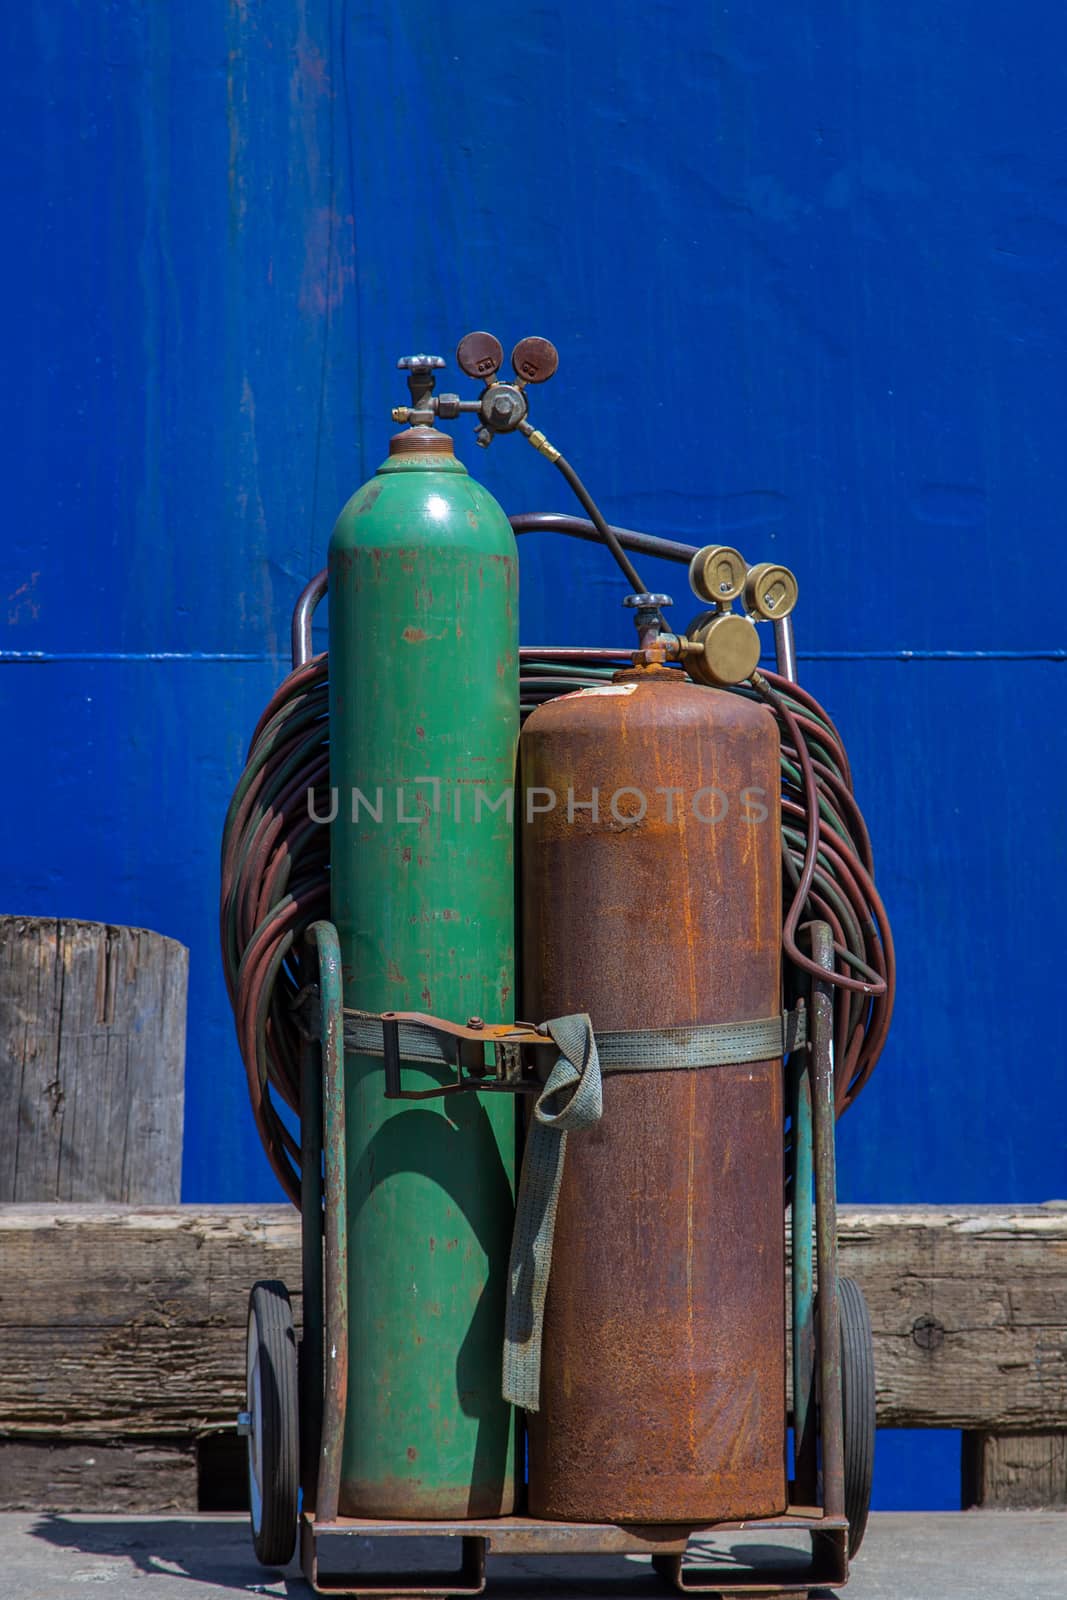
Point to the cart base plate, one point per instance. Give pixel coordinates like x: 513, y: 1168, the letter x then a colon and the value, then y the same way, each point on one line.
x: 687, y: 1570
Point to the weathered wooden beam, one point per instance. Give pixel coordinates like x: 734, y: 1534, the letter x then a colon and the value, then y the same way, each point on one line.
x: 969, y: 1310
x: 142, y: 1475
x: 92, y: 1062
x: 1015, y: 1471
x: 130, y: 1321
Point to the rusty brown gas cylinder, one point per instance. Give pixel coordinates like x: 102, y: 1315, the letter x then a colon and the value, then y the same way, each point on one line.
x: 663, y: 1364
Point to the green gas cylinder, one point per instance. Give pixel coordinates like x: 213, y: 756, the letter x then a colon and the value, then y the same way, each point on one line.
x: 424, y: 721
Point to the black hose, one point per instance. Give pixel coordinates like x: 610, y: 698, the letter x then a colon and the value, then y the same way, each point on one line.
x: 607, y: 533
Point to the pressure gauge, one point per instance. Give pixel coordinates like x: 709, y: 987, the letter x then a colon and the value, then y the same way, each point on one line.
x: 770, y: 592
x: 479, y: 355
x: 717, y: 573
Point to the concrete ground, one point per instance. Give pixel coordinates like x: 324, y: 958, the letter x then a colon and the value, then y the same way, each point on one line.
x: 994, y: 1555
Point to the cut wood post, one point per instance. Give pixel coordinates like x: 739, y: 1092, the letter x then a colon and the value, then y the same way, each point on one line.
x: 92, y: 1062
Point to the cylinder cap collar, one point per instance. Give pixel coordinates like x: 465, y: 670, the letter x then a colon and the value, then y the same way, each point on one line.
x: 421, y: 442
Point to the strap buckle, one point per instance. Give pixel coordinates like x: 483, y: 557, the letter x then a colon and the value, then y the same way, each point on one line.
x: 463, y: 1046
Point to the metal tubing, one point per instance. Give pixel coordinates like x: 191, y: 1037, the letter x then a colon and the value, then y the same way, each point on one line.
x: 804, y: 1450
x: 526, y: 522
x: 303, y: 612
x: 648, y: 544
x: 831, y: 1430
x: 311, y: 1366
x: 331, y: 1033
x: 785, y: 654
x: 575, y: 655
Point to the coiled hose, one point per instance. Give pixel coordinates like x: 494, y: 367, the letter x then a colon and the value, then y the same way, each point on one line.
x: 275, y: 863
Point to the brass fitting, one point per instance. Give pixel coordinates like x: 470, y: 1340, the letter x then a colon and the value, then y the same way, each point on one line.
x: 539, y: 442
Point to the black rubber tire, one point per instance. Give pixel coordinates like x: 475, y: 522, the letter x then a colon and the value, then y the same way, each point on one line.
x: 857, y: 1403
x: 273, y: 1439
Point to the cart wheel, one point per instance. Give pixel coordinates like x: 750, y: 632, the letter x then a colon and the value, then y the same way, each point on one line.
x: 857, y: 1404
x: 272, y: 1425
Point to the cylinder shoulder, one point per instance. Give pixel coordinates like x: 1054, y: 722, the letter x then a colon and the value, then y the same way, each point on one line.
x: 430, y: 505
x: 652, y: 703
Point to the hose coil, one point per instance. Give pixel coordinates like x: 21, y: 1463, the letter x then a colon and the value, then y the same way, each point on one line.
x: 275, y: 870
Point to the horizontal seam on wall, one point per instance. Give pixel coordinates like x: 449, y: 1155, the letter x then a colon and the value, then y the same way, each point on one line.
x: 36, y: 657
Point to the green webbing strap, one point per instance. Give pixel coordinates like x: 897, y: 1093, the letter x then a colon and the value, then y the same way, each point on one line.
x: 571, y: 1099
x: 701, y: 1044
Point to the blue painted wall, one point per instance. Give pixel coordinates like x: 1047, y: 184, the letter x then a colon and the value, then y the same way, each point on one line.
x: 805, y: 269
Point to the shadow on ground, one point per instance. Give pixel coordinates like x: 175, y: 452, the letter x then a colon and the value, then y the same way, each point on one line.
x: 211, y: 1550
x: 217, y: 1552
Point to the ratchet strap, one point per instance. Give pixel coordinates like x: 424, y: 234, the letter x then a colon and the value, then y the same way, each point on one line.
x: 570, y: 1099
x: 707, y: 1044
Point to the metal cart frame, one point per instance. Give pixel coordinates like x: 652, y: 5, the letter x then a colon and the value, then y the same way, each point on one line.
x: 817, y: 1493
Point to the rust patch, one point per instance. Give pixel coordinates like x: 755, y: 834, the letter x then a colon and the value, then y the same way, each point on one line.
x: 329, y: 261
x: 370, y: 495
x: 414, y: 635
x: 24, y: 605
